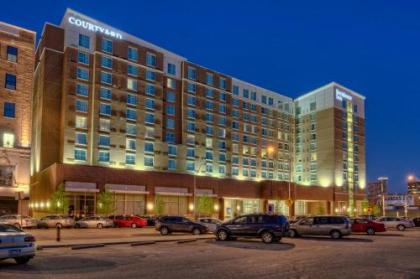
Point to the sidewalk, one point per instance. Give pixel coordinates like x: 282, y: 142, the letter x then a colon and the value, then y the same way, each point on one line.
x: 77, y: 237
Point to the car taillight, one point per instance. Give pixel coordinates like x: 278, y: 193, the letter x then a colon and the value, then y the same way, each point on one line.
x: 29, y: 239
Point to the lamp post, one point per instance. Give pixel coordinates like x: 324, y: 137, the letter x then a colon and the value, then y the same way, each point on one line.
x: 383, y: 198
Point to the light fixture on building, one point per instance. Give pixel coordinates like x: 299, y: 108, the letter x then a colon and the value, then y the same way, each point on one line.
x: 100, y: 205
x: 216, y: 207
x: 47, y: 204
x: 238, y: 208
x: 41, y: 205
x: 191, y: 206
x: 336, y: 210
x: 149, y: 206
x: 58, y: 204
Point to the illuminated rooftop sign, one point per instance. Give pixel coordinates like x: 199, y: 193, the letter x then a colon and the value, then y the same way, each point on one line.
x: 340, y: 95
x: 93, y: 27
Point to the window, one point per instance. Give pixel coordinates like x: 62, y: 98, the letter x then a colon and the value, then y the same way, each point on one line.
x: 107, y: 45
x: 105, y: 93
x: 170, y: 97
x: 312, y: 106
x: 191, y: 100
x: 171, y: 69
x: 131, y: 114
x: 209, y: 155
x: 10, y: 82
x: 150, y: 132
x: 82, y: 90
x: 81, y: 138
x: 8, y: 140
x: 80, y: 154
x: 209, y: 93
x: 235, y: 90
x: 170, y: 137
x: 130, y: 144
x: 133, y: 54
x: 131, y: 99
x: 191, y: 127
x: 170, y: 83
x: 209, y: 78
x: 192, y: 73
x: 103, y: 156
x: 222, y: 83
x: 104, y: 125
x: 150, y: 59
x: 270, y: 101
x: 171, y: 164
x: 105, y: 109
x: 150, y: 89
x: 208, y: 105
x: 264, y: 99
x: 148, y: 161
x: 130, y: 129
x: 149, y: 104
x: 190, y: 152
x: 81, y: 122
x: 253, y: 95
x: 83, y: 57
x: 130, y: 159
x: 245, y: 93
x: 191, y: 87
x: 132, y: 84
x: 222, y: 108
x: 106, y: 77
x: 170, y: 123
x: 81, y: 106
x: 150, y: 75
x: 222, y: 96
x: 355, y: 109
x: 132, y: 70
x: 12, y: 54
x: 209, y: 168
x: 222, y: 169
x: 170, y: 110
x: 104, y: 140
x: 190, y: 166
x: 149, y: 118
x: 171, y: 150
x: 84, y: 41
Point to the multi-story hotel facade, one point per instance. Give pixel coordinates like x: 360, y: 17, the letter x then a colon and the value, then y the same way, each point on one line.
x: 17, y: 46
x: 115, y: 113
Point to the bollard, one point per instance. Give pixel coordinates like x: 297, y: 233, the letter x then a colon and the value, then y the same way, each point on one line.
x: 58, y: 233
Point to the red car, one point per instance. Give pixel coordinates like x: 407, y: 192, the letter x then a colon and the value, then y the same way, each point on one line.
x: 129, y: 221
x: 367, y: 226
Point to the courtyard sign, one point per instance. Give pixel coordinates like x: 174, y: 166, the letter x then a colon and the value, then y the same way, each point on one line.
x: 93, y: 27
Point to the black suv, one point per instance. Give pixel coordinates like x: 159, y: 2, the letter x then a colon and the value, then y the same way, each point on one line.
x: 169, y: 224
x: 269, y: 228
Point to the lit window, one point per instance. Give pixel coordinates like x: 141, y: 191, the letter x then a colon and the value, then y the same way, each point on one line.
x: 8, y: 140
x: 81, y: 122
x: 171, y: 83
x: 132, y: 84
x: 104, y: 125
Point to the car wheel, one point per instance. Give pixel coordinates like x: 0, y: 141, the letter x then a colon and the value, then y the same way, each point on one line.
x: 370, y: 231
x: 58, y: 225
x: 401, y: 227
x: 164, y: 231
x: 222, y: 235
x: 293, y: 233
x: 335, y: 235
x: 77, y: 226
x: 134, y: 225
x: 99, y: 226
x: 196, y: 231
x: 267, y: 237
x: 22, y: 260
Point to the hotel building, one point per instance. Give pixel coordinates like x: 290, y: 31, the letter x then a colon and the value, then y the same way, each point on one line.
x: 115, y: 113
x: 16, y: 75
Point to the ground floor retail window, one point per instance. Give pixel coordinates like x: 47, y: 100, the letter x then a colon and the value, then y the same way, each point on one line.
x: 81, y: 204
x: 280, y: 207
x: 172, y: 205
x: 129, y: 204
x: 236, y: 207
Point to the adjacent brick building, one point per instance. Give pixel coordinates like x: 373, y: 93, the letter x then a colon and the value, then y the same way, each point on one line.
x: 114, y: 112
x: 16, y: 76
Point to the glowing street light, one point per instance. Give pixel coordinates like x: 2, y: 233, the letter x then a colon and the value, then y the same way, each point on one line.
x: 411, y: 177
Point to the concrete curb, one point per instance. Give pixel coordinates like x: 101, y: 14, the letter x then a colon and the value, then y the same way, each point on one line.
x: 132, y: 243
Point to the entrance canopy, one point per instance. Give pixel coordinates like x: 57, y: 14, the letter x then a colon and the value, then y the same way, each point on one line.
x: 73, y: 186
x: 171, y: 191
x: 126, y: 189
x: 205, y: 192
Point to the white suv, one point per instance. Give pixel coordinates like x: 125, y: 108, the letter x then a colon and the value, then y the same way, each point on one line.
x: 395, y: 222
x: 19, y: 221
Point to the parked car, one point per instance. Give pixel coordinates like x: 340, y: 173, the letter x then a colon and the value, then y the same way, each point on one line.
x: 210, y: 223
x: 269, y: 228
x: 19, y: 221
x: 416, y: 221
x: 129, y: 221
x: 94, y: 222
x: 297, y: 218
x: 169, y: 224
x: 395, y: 222
x: 334, y: 226
x: 151, y: 220
x: 55, y: 221
x: 367, y: 226
x: 16, y: 244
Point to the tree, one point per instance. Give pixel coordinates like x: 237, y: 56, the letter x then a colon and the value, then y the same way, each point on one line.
x: 205, y: 206
x: 159, y: 205
x: 59, y: 201
x: 105, y: 203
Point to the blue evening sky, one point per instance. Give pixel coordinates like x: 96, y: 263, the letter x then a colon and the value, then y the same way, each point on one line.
x: 291, y: 47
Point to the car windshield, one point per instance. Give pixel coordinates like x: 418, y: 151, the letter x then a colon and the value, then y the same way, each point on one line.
x: 9, y: 228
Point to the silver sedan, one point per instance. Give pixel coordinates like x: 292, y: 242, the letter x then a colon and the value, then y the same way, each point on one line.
x: 19, y: 221
x: 55, y: 221
x: 94, y: 222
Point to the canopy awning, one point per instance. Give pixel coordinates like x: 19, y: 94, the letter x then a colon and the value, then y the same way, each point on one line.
x: 205, y: 192
x: 126, y: 189
x: 74, y: 186
x: 172, y: 191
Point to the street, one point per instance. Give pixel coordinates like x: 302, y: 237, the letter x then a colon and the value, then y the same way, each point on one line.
x: 388, y: 255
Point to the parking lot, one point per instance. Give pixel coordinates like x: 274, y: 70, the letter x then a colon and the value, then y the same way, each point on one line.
x: 388, y: 255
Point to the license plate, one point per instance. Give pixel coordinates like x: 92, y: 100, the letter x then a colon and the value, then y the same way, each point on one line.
x: 14, y: 252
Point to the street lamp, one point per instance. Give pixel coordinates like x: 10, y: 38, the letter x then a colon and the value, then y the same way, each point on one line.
x: 411, y: 177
